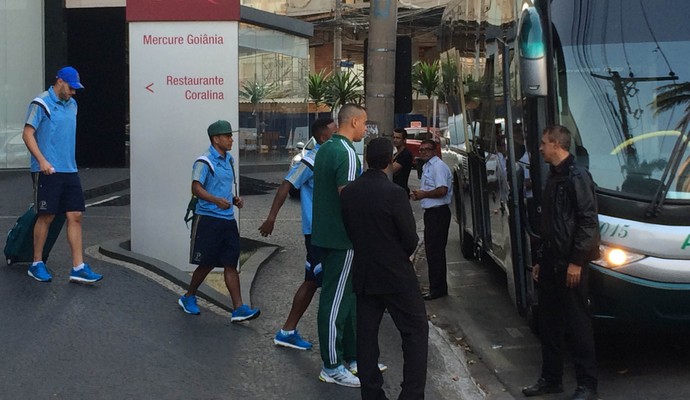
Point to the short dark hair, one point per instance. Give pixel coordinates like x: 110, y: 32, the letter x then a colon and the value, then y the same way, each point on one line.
x: 349, y: 111
x: 379, y: 153
x: 320, y: 126
x: 559, y: 134
x: 430, y: 142
x: 401, y: 131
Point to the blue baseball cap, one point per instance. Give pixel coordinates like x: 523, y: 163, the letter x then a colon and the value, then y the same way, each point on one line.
x: 71, y: 76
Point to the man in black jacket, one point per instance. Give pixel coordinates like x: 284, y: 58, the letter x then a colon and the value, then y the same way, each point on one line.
x: 570, y: 239
x: 379, y: 221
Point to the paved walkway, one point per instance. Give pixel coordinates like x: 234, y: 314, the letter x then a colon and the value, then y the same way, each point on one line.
x: 126, y: 337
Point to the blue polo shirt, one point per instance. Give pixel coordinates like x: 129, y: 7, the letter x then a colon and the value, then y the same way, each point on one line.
x: 219, y: 183
x: 301, y: 176
x: 55, y: 122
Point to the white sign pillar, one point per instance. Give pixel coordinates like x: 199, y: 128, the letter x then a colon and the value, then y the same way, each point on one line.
x: 183, y: 57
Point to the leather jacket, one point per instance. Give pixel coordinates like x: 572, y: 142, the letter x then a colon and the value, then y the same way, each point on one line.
x: 570, y: 225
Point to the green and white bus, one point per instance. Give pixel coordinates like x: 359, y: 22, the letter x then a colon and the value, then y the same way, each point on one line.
x: 617, y: 74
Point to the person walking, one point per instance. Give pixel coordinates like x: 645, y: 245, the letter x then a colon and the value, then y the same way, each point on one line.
x: 379, y: 221
x: 337, y: 165
x: 435, y: 194
x: 215, y: 239
x: 569, y: 240
x: 402, y: 160
x: 301, y: 177
x: 50, y: 135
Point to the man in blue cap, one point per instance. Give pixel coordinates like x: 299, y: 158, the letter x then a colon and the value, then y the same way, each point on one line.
x: 50, y: 135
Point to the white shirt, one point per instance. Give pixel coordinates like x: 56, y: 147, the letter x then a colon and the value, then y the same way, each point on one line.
x: 435, y: 173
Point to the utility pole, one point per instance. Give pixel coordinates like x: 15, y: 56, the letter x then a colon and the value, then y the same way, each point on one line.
x: 380, y: 81
x: 338, y: 37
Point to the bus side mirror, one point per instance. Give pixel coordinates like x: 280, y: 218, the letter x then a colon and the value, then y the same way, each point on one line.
x: 532, y: 52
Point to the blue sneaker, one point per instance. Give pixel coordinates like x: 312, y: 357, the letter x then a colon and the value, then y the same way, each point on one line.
x: 293, y: 340
x: 244, y: 313
x: 188, y: 304
x: 84, y: 275
x: 40, y: 272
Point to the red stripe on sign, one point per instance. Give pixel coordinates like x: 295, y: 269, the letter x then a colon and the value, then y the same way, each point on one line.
x: 183, y: 10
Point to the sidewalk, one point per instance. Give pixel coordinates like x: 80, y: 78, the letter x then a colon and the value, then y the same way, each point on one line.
x: 503, y: 354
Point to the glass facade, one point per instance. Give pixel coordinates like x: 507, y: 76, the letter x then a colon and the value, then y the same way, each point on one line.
x: 21, y: 74
x: 273, y: 109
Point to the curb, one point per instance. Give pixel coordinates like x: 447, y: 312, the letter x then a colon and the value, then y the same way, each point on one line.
x: 120, y: 250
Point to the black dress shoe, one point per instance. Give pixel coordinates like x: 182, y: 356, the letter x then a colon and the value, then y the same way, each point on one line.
x: 429, y: 296
x: 584, y: 393
x: 542, y: 387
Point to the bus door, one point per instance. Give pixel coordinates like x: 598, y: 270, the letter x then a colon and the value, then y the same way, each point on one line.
x: 493, y: 144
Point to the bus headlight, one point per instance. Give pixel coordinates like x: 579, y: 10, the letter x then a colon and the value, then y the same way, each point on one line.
x: 614, y: 257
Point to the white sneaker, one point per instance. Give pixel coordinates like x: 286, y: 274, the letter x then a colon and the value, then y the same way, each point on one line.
x: 352, y: 366
x: 340, y: 376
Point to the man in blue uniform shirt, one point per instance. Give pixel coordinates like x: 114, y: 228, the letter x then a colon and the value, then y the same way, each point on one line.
x: 215, y: 237
x: 50, y: 135
x: 301, y: 176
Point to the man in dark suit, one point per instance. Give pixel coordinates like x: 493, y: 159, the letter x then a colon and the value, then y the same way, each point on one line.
x: 379, y: 221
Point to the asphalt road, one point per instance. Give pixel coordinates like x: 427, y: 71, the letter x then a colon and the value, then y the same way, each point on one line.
x: 126, y: 338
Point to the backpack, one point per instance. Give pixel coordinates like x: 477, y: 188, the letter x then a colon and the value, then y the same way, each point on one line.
x: 191, y: 206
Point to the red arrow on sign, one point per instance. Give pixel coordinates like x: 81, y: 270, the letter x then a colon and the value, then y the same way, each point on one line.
x: 149, y: 87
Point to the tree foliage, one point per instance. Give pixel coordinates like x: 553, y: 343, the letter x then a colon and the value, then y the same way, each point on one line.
x: 318, y: 88
x: 670, y: 96
x: 256, y: 92
x: 426, y: 78
x: 344, y: 88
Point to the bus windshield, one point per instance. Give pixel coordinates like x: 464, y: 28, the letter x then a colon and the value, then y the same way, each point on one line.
x: 624, y: 89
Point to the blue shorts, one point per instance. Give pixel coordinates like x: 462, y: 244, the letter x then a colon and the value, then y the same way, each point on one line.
x: 215, y: 242
x: 313, y: 271
x: 57, y: 193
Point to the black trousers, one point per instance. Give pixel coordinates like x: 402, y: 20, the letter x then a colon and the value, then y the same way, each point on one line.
x: 436, y: 225
x: 409, y: 315
x: 563, y: 314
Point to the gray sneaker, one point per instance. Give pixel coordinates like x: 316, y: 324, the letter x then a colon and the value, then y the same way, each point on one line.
x: 340, y: 376
x: 352, y: 366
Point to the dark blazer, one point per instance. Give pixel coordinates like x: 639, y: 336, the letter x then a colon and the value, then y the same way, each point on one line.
x: 379, y: 220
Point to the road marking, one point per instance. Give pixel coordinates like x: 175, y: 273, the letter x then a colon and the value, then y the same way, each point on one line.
x: 95, y: 203
x: 178, y: 290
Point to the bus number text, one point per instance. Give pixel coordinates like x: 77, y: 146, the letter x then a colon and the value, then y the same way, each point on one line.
x: 613, y: 230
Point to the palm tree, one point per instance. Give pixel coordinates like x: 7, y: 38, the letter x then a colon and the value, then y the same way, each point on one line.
x: 344, y: 88
x: 426, y: 80
x: 318, y: 88
x: 670, y: 96
x: 449, y: 85
x: 256, y: 92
